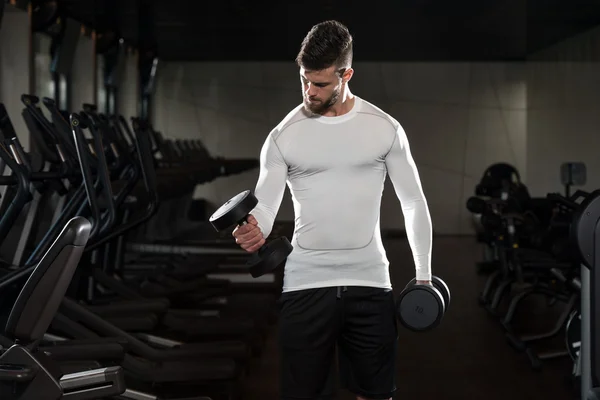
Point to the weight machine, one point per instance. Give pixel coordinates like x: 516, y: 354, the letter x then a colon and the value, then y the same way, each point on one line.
x: 573, y: 174
x: 586, y: 233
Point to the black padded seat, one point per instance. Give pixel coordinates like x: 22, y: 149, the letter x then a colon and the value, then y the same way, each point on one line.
x: 24, y: 369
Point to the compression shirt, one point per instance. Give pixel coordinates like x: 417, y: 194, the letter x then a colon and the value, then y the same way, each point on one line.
x: 335, y: 168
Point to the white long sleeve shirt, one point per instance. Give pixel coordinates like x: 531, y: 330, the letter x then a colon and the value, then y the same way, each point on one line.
x: 335, y: 168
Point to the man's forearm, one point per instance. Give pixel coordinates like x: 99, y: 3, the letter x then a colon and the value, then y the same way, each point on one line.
x: 265, y: 218
x: 419, y: 231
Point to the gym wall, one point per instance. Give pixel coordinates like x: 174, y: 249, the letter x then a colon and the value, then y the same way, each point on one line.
x: 127, y: 93
x: 129, y: 89
x: 460, y: 117
x: 44, y: 84
x: 15, y: 66
x: 563, y: 120
x: 82, y: 71
x: 83, y: 74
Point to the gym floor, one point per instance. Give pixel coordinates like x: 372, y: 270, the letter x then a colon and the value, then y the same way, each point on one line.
x: 466, y: 357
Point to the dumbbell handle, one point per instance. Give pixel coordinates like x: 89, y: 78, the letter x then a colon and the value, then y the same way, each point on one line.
x: 244, y: 221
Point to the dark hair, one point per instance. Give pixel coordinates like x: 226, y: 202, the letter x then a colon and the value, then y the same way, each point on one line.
x: 327, y: 43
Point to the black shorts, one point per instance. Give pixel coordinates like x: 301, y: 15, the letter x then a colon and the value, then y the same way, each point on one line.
x: 358, y: 322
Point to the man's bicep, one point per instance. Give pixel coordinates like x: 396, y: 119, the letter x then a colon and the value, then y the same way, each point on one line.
x: 403, y: 171
x: 270, y: 186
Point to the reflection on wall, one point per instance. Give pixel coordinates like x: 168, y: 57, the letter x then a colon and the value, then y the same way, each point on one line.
x: 563, y: 120
x: 44, y: 84
x: 83, y: 74
x: 128, y: 89
x: 14, y: 67
x: 101, y: 90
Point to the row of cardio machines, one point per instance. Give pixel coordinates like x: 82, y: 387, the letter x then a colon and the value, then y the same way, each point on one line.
x: 497, y: 184
x: 89, y: 310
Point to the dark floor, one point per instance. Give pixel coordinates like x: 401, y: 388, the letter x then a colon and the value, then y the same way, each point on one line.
x: 465, y: 358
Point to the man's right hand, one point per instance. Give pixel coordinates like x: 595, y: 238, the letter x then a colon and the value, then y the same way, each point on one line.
x: 249, y: 236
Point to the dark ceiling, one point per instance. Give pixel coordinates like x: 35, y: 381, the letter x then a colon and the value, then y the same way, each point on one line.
x: 403, y: 30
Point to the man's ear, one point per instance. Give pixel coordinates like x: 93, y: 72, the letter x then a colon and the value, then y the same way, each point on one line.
x: 347, y: 75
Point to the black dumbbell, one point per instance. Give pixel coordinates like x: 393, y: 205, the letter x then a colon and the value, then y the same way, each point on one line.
x: 422, y: 307
x: 235, y: 212
x: 476, y: 205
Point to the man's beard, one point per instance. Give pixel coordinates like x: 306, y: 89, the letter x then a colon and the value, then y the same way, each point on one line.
x: 323, y: 106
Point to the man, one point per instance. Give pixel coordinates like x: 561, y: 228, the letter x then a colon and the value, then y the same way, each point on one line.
x: 334, y: 151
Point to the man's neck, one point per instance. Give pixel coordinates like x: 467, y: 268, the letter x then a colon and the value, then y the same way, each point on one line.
x: 343, y: 105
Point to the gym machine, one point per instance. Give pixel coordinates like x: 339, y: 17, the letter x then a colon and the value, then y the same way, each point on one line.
x: 586, y: 232
x: 193, y: 369
x: 25, y: 371
x: 572, y: 174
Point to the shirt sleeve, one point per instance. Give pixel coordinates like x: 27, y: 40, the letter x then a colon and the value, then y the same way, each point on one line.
x: 405, y: 178
x: 270, y: 186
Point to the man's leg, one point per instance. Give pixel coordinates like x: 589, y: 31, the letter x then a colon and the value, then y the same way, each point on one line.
x: 368, y: 343
x: 308, y: 328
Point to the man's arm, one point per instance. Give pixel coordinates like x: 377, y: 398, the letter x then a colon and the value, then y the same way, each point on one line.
x: 417, y: 220
x: 270, y: 186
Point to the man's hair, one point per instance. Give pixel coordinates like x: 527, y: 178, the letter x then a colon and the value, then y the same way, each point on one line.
x: 326, y: 44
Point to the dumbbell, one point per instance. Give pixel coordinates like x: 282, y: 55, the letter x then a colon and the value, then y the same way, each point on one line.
x: 476, y: 205
x: 421, y: 307
x: 235, y: 212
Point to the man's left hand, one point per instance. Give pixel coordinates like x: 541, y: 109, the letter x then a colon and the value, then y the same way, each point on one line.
x: 424, y: 283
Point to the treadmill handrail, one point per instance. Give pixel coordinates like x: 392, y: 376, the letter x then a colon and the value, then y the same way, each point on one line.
x: 39, y: 138
x: 103, y: 177
x: 77, y: 123
x: 21, y: 198
x: 149, y: 176
x: 24, y: 271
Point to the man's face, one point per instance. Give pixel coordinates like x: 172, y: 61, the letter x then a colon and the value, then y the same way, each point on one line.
x: 320, y: 89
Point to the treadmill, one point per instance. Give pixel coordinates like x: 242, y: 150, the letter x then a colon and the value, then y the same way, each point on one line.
x: 201, y: 287
x: 187, y: 323
x: 162, y: 366
x: 78, y: 203
x: 159, y: 370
